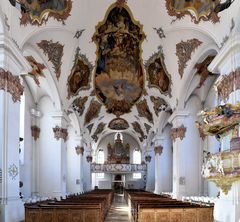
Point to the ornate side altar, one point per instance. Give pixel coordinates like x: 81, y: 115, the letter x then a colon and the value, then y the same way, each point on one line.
x: 222, y: 168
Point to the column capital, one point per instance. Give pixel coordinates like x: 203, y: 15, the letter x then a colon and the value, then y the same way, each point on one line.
x: 178, y: 132
x: 158, y: 150
x: 60, y: 118
x: 178, y: 117
x: 79, y: 150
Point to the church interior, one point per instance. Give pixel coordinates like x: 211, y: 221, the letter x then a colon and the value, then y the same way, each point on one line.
x: 119, y: 110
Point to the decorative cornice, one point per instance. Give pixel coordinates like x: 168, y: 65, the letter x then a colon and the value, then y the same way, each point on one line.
x: 178, y: 132
x: 35, y: 132
x: 60, y: 133
x: 158, y: 150
x: 184, y: 50
x: 79, y: 150
x: 228, y: 84
x: 11, y: 84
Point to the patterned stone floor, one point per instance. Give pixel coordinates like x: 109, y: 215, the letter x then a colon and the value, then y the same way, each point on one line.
x: 119, y: 211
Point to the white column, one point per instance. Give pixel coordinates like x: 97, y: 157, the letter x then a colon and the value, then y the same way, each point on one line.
x: 158, y: 149
x: 11, y: 60
x: 80, y: 152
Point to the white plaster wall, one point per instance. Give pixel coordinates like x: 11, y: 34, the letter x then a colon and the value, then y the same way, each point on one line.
x: 151, y: 173
x: 87, y: 177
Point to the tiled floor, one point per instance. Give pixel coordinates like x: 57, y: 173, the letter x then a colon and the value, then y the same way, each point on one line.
x: 119, y: 211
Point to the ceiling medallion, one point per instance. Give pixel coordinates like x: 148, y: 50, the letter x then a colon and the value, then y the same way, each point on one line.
x: 198, y: 10
x: 37, y: 12
x: 37, y: 69
x: 79, y: 78
x: 118, y: 124
x: 119, y: 76
x: 157, y: 73
x: 143, y: 110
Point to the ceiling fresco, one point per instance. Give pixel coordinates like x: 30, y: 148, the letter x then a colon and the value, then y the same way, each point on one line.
x: 80, y: 76
x: 99, y: 130
x: 137, y: 128
x: 37, y: 69
x: 198, y: 10
x: 144, y: 111
x: 119, y: 76
x: 118, y: 124
x: 157, y: 74
x: 78, y: 105
x: 92, y: 112
x: 159, y: 104
x: 37, y: 12
x: 54, y: 51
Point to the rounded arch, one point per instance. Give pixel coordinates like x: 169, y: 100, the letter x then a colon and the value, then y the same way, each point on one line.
x: 189, y: 81
x: 48, y: 84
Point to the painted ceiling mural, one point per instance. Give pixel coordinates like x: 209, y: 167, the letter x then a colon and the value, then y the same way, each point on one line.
x: 37, y: 12
x: 78, y: 105
x: 157, y: 74
x: 92, y: 112
x: 119, y: 76
x: 198, y: 10
x: 144, y: 111
x: 80, y: 76
x: 118, y: 124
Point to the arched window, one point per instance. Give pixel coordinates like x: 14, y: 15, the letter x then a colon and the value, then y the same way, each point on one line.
x: 137, y: 160
x: 100, y: 160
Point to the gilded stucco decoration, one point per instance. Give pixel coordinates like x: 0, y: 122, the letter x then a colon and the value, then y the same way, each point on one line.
x: 198, y: 10
x: 37, y: 69
x: 147, y: 127
x: 35, y: 132
x: 202, y: 70
x: 80, y: 76
x: 92, y: 112
x: 54, y: 51
x: 137, y: 128
x: 157, y: 73
x: 160, y: 32
x: 178, y: 132
x: 99, y: 130
x: 37, y: 12
x: 79, y: 150
x: 11, y: 84
x: 119, y: 76
x: 60, y: 133
x: 159, y: 104
x: 118, y: 124
x: 228, y: 84
x: 144, y: 111
x: 78, y: 105
x: 158, y: 150
x: 184, y: 50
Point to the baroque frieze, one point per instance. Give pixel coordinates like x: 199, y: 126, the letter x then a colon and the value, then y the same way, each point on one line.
x: 144, y: 111
x: 54, y: 51
x: 99, y: 130
x: 178, y: 133
x: 159, y: 104
x: 227, y: 84
x: 184, y: 50
x: 92, y: 112
x: 137, y: 128
x: 11, y: 84
x: 202, y: 70
x: 37, y: 12
x: 60, y: 133
x: 198, y: 10
x: 118, y: 124
x: 80, y: 76
x: 78, y: 105
x: 119, y: 75
x: 37, y: 69
x: 35, y: 132
x: 157, y: 73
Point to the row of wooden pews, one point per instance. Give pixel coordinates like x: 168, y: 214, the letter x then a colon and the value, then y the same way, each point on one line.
x: 146, y: 207
x: 88, y: 207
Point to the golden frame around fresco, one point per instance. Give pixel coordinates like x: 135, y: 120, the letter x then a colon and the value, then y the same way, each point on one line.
x: 119, y: 68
